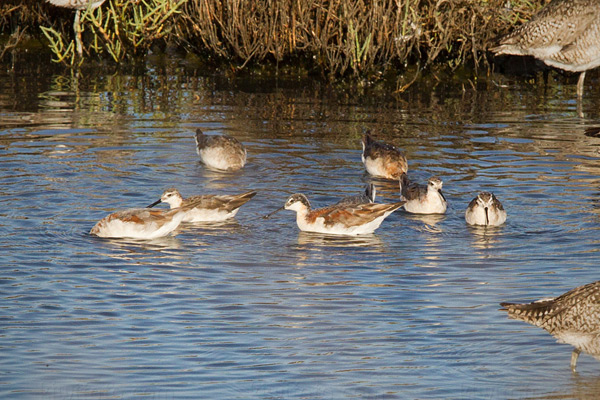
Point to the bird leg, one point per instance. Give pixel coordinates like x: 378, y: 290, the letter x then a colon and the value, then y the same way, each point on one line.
x: 580, y: 84
x: 77, y: 29
x: 574, y: 357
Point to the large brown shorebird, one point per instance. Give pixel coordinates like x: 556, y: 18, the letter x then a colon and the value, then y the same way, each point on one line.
x: 564, y: 34
x: 572, y: 318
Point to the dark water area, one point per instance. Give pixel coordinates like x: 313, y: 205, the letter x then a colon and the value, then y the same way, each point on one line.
x: 253, y: 308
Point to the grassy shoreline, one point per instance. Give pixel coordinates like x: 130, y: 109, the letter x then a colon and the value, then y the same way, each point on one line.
x: 355, y: 40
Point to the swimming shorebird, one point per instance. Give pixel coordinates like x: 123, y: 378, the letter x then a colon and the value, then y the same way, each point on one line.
x: 208, y: 208
x: 382, y: 159
x: 485, y: 209
x: 77, y: 5
x: 139, y: 223
x: 338, y: 219
x: 423, y: 199
x: 572, y: 318
x: 368, y: 196
x: 221, y: 152
x: 564, y: 34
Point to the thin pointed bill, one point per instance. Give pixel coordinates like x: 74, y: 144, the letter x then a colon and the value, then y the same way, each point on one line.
x: 487, y: 218
x: 274, y: 212
x: 153, y: 204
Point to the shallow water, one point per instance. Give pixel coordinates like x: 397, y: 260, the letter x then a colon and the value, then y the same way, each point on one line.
x: 253, y: 308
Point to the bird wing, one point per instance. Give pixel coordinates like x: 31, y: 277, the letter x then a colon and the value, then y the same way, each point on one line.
x: 353, y: 215
x: 219, y: 202
x: 414, y: 191
x: 552, y: 27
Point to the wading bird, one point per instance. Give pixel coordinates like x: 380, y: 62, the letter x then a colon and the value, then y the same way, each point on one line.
x: 77, y: 5
x: 572, y: 318
x: 564, y: 34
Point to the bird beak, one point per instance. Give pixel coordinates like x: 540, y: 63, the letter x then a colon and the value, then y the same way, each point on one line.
x: 153, y: 204
x: 443, y: 197
x: 487, y: 219
x: 274, y: 212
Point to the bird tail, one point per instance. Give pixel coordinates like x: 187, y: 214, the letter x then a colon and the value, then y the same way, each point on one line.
x: 533, y: 313
x: 240, y: 200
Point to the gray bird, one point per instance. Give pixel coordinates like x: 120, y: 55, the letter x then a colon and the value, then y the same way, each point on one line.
x: 572, y: 318
x: 564, y: 34
x: 221, y: 152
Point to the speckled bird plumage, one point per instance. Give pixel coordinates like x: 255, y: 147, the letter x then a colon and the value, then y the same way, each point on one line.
x: 564, y: 34
x: 572, y: 318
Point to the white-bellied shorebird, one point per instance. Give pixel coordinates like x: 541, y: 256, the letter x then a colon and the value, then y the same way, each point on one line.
x: 485, y: 209
x: 208, y: 207
x: 138, y: 223
x: 221, y: 152
x: 382, y: 159
x: 338, y: 219
x: 423, y: 199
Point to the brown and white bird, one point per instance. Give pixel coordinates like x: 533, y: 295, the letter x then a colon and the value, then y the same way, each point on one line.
x: 564, y: 34
x: 77, y: 5
x: 338, y: 219
x: 423, y: 199
x: 221, y: 152
x: 382, y: 159
x: 141, y: 223
x: 208, y: 207
x: 485, y: 209
x: 572, y: 318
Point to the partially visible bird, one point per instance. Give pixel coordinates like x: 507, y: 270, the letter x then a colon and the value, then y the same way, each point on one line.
x: 208, y: 208
x: 485, y: 209
x: 77, y: 5
x: 138, y: 223
x: 221, y: 152
x: 572, y: 318
x: 564, y: 34
x: 421, y: 199
x: 382, y: 159
x: 368, y: 196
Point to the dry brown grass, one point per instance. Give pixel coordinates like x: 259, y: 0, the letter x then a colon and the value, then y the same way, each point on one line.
x: 357, y: 38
